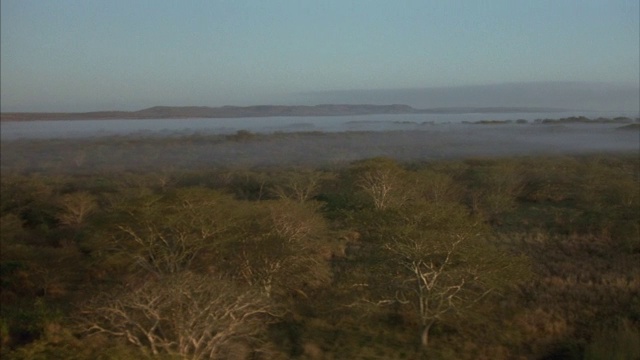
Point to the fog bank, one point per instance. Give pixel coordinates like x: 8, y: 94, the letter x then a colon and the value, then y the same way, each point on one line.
x: 431, y: 142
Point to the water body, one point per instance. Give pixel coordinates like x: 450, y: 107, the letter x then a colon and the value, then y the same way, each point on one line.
x: 67, y: 129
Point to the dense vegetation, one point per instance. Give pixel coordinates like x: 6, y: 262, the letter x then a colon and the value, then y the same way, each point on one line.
x: 460, y: 259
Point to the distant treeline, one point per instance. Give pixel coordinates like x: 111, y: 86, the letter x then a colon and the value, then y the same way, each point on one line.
x: 567, y: 120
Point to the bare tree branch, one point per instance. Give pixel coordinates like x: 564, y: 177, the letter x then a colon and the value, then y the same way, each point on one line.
x: 185, y: 314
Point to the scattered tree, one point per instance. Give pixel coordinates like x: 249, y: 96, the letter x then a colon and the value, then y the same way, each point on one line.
x: 75, y: 208
x: 383, y: 181
x: 300, y: 186
x: 285, y: 252
x: 165, y: 234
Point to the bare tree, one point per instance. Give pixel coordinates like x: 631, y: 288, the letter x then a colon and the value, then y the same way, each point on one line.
x: 438, y: 188
x: 75, y: 208
x: 438, y: 263
x: 497, y: 189
x: 383, y: 181
x: 300, y: 185
x: 433, y: 279
x: 165, y: 234
x: 193, y: 316
x: 250, y: 185
x: 285, y: 252
x: 166, y: 307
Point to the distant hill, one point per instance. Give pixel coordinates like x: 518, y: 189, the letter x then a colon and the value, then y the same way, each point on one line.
x: 583, y: 96
x: 180, y: 112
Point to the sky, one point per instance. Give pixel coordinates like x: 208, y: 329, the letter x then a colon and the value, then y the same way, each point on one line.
x: 79, y: 55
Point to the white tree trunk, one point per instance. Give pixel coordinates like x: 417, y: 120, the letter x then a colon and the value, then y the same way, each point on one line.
x: 424, y: 338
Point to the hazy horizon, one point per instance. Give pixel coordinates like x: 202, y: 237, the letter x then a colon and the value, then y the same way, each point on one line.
x: 74, y: 56
x: 575, y: 96
x: 578, y: 96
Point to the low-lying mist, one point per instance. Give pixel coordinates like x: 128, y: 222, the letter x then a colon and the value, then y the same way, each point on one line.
x: 247, y: 149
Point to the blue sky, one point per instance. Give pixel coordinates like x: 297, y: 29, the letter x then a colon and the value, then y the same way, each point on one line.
x: 110, y: 54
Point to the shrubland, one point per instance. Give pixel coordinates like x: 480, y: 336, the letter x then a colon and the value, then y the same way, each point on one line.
x: 480, y: 258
